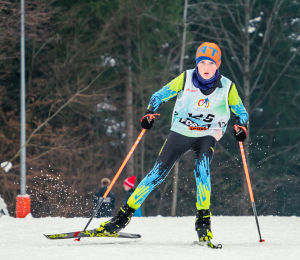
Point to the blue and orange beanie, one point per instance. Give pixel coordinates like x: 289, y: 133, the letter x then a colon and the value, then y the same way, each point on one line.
x: 209, y: 51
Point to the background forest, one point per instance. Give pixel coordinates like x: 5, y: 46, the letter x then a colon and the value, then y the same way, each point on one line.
x: 91, y: 68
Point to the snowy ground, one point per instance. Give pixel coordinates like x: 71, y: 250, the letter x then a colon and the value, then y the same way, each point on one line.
x: 162, y: 238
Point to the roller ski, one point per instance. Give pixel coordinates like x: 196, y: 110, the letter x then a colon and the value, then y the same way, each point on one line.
x: 90, y: 233
x: 202, y: 226
x: 110, y: 228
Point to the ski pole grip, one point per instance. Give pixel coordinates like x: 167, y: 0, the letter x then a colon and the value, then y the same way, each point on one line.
x: 237, y: 129
x: 152, y: 116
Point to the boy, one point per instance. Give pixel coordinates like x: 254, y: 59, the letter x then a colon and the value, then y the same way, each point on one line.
x: 200, y: 117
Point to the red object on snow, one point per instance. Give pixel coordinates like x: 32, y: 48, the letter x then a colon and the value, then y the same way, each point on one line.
x: 22, y: 206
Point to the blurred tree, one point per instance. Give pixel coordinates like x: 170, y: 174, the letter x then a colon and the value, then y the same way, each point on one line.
x: 83, y: 56
x: 77, y: 68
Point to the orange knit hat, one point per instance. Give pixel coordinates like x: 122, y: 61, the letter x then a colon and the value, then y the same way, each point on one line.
x: 209, y: 51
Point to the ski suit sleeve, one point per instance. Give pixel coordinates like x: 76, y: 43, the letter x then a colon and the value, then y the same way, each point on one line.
x: 237, y: 108
x: 166, y: 93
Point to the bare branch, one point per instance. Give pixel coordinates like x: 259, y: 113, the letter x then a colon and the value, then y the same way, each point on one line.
x: 269, y: 28
x: 230, y: 43
x: 58, y: 111
x: 259, y: 101
x: 278, y: 153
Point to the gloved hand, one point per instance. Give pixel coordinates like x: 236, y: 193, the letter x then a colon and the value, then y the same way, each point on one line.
x: 147, y: 120
x: 240, y: 133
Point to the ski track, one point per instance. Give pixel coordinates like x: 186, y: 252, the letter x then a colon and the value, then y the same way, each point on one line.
x: 162, y: 238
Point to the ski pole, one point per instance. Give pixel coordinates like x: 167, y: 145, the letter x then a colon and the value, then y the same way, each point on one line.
x: 249, y: 184
x: 151, y: 117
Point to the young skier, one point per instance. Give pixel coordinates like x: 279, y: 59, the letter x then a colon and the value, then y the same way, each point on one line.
x: 200, y: 117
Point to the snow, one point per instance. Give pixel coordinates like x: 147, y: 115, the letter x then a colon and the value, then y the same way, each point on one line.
x: 295, y: 20
x: 162, y: 238
x: 6, y: 166
x: 251, y: 29
x: 257, y: 19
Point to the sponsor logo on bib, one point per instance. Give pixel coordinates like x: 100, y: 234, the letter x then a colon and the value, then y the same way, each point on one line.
x: 198, y: 128
x: 191, y: 90
x: 203, y: 103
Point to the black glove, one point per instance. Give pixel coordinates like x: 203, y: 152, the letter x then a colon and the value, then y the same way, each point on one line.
x: 240, y: 133
x: 146, y: 121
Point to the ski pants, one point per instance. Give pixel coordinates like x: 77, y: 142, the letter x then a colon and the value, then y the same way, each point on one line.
x: 175, y: 146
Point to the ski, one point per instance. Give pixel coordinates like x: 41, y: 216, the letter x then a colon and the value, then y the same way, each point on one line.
x: 91, y: 233
x: 214, y: 246
x: 208, y: 244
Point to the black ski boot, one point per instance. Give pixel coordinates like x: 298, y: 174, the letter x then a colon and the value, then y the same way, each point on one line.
x: 118, y: 222
x: 202, y: 225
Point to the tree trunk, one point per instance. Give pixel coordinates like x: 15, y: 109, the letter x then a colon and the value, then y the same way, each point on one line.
x: 129, y: 110
x: 246, y: 78
x: 143, y: 156
x: 175, y: 190
x: 176, y: 167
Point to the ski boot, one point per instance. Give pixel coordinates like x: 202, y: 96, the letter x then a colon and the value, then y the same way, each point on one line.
x: 118, y: 222
x: 202, y: 225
